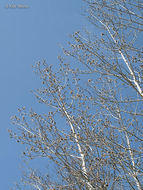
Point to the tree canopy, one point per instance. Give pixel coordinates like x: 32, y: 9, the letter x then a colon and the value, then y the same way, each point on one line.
x: 93, y: 129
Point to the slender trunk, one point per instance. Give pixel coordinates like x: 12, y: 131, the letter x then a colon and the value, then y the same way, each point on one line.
x: 82, y: 156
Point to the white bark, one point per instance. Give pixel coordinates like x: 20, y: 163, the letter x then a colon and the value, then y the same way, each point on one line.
x: 136, y: 83
x: 133, y: 173
x: 82, y: 156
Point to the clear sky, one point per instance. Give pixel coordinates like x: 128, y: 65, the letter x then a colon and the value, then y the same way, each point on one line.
x: 26, y: 36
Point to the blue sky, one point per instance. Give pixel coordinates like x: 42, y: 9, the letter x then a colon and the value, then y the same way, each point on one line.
x: 27, y: 36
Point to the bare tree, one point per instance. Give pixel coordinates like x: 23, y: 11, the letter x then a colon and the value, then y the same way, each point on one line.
x: 93, y: 130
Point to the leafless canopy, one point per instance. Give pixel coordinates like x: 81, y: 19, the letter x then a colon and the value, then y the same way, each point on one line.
x: 92, y: 130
